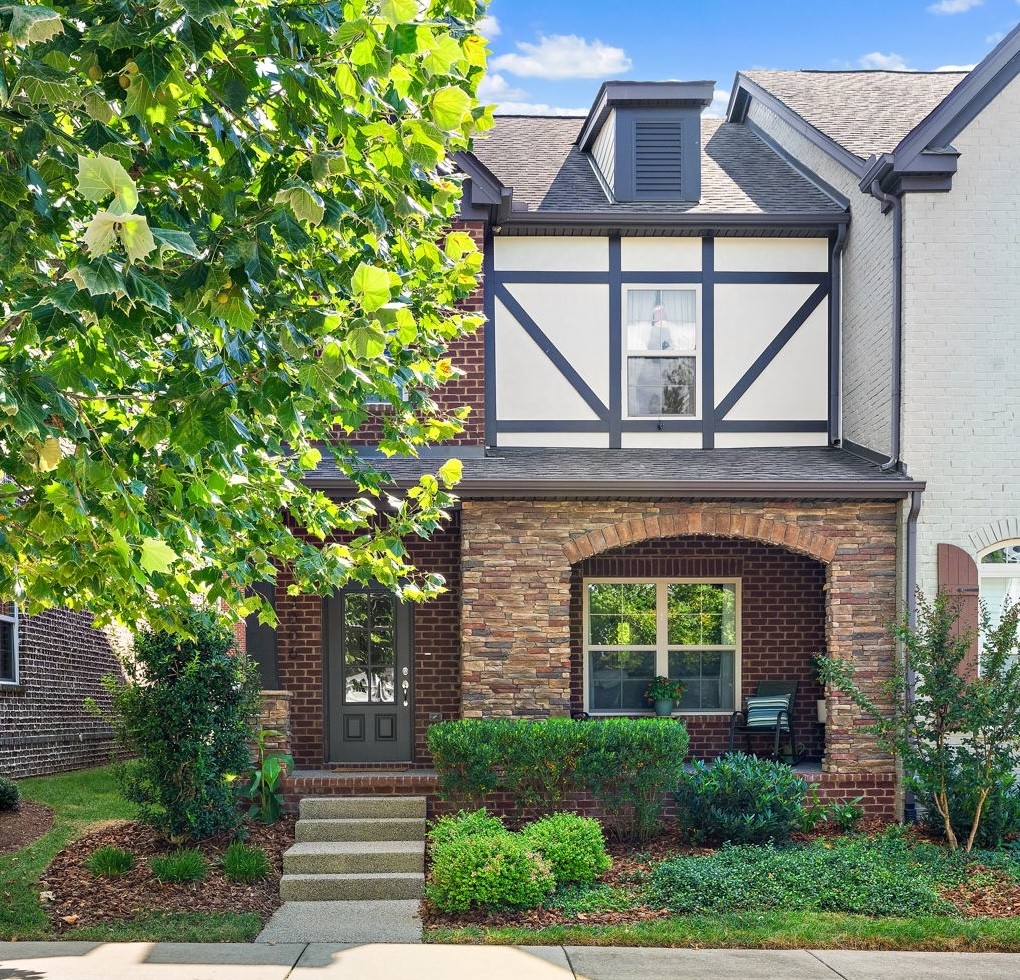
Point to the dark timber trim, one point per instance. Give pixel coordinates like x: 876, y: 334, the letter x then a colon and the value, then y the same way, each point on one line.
x: 754, y: 372
x: 632, y: 277
x: 707, y: 359
x: 535, y: 332
x: 489, y: 333
x: 615, y: 341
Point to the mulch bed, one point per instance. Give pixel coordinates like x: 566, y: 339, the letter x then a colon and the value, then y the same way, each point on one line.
x: 27, y: 822
x: 75, y: 897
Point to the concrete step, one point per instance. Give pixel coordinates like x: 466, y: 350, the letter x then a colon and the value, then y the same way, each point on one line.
x: 348, y: 807
x: 344, y: 857
x: 368, y: 829
x: 351, y: 887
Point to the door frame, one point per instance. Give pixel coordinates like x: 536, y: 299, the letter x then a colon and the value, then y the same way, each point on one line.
x: 403, y: 625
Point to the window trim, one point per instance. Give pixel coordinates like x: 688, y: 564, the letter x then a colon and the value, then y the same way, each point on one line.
x: 625, y: 351
x: 662, y: 646
x: 993, y: 570
x: 14, y: 620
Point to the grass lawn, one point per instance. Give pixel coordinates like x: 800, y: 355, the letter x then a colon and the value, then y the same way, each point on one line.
x: 772, y: 930
x: 78, y: 800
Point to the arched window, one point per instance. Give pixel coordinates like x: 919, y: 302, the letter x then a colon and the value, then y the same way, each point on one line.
x: 999, y: 569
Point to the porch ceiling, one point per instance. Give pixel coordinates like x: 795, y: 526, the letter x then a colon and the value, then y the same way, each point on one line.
x: 795, y: 472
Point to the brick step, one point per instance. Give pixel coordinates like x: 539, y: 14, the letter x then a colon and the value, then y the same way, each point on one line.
x: 351, y: 887
x: 351, y: 807
x: 366, y: 829
x: 344, y: 857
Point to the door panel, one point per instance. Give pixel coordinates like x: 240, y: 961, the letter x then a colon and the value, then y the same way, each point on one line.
x: 367, y: 639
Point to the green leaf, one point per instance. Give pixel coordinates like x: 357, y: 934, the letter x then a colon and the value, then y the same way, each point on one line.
x: 176, y: 241
x: 367, y: 340
x: 371, y: 287
x: 156, y: 556
x: 30, y: 24
x: 450, y: 472
x: 98, y: 108
x: 132, y: 230
x: 100, y: 177
x: 151, y: 431
x: 141, y: 289
x: 303, y: 201
x: 98, y: 278
x: 450, y: 106
x: 398, y: 11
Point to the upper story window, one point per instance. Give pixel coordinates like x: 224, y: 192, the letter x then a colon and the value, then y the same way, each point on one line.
x: 661, y: 356
x: 8, y: 643
x: 685, y: 630
x: 1000, y: 579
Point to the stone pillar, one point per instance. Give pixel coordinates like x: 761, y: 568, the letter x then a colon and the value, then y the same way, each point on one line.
x: 275, y: 716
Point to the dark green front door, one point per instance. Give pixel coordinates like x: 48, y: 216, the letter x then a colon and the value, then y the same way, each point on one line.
x: 367, y: 638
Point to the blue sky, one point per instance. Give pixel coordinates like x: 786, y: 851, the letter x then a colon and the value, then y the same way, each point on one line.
x: 552, y: 55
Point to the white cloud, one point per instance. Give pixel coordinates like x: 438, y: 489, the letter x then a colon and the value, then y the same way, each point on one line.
x: 495, y: 88
x: 488, y: 26
x: 954, y: 68
x: 883, y: 62
x: 954, y: 6
x: 995, y: 38
x: 564, y: 56
x: 720, y: 103
x: 537, y: 109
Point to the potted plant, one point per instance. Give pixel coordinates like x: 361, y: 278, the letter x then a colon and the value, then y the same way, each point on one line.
x: 664, y: 694
x: 820, y: 705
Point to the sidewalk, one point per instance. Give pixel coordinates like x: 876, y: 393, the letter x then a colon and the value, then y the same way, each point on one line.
x: 321, y: 961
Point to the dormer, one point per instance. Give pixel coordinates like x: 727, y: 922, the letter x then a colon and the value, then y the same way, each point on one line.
x: 644, y: 139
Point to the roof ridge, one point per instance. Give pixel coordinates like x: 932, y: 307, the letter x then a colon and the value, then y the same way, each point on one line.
x: 858, y: 71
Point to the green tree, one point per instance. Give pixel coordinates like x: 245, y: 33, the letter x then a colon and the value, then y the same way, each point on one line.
x: 224, y: 229
x: 956, y: 733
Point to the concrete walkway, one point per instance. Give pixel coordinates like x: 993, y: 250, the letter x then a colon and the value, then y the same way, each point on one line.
x: 321, y: 961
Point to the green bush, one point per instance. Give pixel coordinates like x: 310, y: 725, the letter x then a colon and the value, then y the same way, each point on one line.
x: 494, y: 872
x: 627, y: 765
x: 186, y: 713
x: 850, y: 874
x: 573, y: 846
x: 10, y: 795
x: 110, y: 862
x: 184, y: 864
x: 1000, y: 815
x: 465, y: 755
x: 464, y: 824
x: 244, y: 863
x: 741, y: 799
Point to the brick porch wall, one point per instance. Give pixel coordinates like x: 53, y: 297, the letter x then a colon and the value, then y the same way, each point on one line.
x: 436, y: 645
x: 44, y: 727
x: 518, y: 558
x: 782, y: 621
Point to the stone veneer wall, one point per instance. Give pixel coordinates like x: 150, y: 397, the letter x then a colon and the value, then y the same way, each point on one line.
x: 782, y: 622
x: 518, y: 558
x: 436, y: 653
x: 44, y: 727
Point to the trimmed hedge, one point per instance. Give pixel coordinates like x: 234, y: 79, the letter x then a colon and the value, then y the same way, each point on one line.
x: 627, y: 764
x: 573, y: 846
x: 477, y: 823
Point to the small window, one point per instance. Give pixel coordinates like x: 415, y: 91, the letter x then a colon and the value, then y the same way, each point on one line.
x: 369, y: 648
x: 661, y: 356
x: 1000, y: 579
x: 634, y: 631
x: 8, y: 643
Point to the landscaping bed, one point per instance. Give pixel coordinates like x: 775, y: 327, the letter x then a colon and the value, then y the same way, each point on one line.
x: 75, y: 898
x: 27, y: 822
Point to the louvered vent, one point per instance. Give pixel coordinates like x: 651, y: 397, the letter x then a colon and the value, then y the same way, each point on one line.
x: 657, y: 158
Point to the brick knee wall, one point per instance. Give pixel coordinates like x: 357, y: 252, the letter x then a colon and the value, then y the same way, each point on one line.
x: 44, y: 727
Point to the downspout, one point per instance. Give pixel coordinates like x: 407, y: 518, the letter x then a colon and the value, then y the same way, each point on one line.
x: 892, y: 203
x: 836, y: 336
x: 910, y: 572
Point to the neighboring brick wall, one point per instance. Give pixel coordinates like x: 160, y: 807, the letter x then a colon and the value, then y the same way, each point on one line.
x: 517, y: 558
x: 961, y: 294
x: 436, y: 652
x: 44, y: 727
x: 468, y: 354
x: 867, y: 291
x: 782, y: 621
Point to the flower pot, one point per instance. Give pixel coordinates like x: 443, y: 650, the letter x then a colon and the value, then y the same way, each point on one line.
x: 823, y: 711
x: 664, y: 708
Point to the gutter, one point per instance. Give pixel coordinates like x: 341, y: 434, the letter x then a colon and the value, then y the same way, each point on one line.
x: 692, y: 223
x: 892, y: 203
x: 835, y: 335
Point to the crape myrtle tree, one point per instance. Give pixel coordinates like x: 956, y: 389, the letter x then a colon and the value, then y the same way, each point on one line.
x: 224, y: 229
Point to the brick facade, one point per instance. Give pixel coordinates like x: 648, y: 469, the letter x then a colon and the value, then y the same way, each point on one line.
x: 467, y: 354
x: 44, y: 727
x: 518, y: 559
x: 436, y: 645
x: 782, y: 621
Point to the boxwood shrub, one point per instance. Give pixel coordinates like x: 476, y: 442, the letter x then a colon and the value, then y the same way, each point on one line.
x: 464, y: 824
x: 498, y: 871
x: 573, y: 846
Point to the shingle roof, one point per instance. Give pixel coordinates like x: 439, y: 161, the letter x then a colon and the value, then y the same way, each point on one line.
x: 797, y: 471
x: 538, y: 158
x: 866, y: 112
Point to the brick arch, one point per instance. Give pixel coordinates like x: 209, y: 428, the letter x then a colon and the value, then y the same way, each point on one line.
x: 995, y: 534
x: 786, y: 534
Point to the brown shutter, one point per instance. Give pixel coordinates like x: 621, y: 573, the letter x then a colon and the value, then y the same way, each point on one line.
x: 958, y: 579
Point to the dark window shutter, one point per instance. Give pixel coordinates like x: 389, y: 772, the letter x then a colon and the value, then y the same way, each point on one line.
x: 261, y: 640
x: 658, y: 168
x: 958, y: 579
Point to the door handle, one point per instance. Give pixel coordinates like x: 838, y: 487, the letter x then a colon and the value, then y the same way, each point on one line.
x: 405, y: 684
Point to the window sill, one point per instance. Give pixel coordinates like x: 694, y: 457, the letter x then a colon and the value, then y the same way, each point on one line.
x: 11, y: 687
x: 713, y: 713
